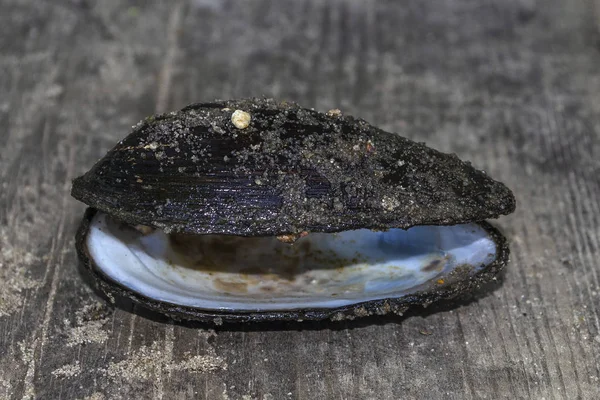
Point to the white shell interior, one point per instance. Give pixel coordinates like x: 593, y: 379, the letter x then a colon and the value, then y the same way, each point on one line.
x: 260, y: 274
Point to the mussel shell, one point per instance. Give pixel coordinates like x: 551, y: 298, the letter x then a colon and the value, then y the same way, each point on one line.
x: 291, y: 170
x: 444, y: 287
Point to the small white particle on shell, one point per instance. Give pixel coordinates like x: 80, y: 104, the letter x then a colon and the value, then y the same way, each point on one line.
x: 400, y: 163
x: 240, y: 119
x: 389, y: 203
x: 217, y: 129
x: 334, y: 113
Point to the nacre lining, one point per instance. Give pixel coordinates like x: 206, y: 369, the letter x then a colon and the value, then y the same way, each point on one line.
x: 321, y: 270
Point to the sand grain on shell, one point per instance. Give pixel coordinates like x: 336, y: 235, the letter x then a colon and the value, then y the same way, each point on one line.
x: 240, y: 119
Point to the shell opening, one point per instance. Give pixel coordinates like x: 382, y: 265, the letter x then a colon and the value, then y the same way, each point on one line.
x: 320, y: 270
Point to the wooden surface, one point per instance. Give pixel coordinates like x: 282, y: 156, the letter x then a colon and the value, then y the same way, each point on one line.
x: 512, y: 85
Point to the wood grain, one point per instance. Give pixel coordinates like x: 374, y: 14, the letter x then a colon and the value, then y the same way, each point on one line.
x: 512, y: 85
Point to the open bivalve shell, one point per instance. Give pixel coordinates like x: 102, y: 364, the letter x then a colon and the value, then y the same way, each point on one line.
x: 257, y: 210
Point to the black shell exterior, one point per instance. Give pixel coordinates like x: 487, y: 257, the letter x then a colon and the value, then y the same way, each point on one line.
x: 291, y: 170
x: 459, y: 281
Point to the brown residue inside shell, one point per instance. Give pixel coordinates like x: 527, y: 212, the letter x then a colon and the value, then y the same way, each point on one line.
x: 292, y: 237
x: 436, y: 264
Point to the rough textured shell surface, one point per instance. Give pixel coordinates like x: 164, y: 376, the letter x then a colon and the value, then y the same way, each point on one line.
x: 290, y: 170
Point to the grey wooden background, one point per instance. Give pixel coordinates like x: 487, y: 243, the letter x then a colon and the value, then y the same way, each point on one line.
x: 512, y: 85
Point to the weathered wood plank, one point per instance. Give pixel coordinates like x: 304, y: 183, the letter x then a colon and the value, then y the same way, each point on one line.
x: 511, y: 85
